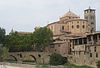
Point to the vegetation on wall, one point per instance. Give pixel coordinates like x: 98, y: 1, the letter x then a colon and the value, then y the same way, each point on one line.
x: 98, y: 64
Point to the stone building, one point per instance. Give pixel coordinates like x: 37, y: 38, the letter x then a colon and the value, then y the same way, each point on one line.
x: 69, y: 26
x: 69, y: 23
x: 85, y: 50
x: 76, y: 38
x: 89, y: 14
x: 20, y: 33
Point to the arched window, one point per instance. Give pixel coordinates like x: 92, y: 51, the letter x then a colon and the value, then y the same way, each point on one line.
x: 77, y: 21
x: 62, y: 27
x: 72, y: 26
x: 94, y: 49
x: 90, y: 54
x: 77, y: 26
x: 83, y: 26
x: 96, y: 54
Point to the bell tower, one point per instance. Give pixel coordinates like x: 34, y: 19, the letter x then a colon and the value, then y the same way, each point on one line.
x: 89, y: 15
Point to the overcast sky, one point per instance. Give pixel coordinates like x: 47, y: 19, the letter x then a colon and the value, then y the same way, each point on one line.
x: 25, y: 15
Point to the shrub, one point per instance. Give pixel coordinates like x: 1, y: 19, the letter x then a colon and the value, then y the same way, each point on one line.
x: 57, y: 59
x: 98, y: 64
x: 3, y: 53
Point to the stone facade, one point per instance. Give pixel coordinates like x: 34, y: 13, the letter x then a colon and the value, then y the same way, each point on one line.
x: 76, y: 39
x: 37, y: 57
x: 20, y: 33
x: 85, y: 50
x: 69, y: 23
x: 89, y: 14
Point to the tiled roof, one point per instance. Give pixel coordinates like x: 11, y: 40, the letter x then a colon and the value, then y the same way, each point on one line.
x: 70, y: 14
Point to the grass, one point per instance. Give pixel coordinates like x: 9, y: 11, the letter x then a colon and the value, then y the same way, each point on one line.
x: 65, y: 66
x: 28, y: 61
x: 76, y: 66
x: 42, y: 66
x: 10, y: 60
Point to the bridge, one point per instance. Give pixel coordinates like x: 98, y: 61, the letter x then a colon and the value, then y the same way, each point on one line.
x: 37, y: 57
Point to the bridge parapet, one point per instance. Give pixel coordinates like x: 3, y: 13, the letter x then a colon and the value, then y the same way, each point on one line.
x: 38, y: 57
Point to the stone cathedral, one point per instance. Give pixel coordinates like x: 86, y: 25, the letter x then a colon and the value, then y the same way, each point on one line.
x: 76, y: 38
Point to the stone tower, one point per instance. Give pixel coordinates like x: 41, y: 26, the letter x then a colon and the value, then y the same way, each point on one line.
x: 89, y: 14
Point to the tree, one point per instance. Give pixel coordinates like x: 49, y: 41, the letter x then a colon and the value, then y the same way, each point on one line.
x: 2, y: 35
x: 3, y: 52
x: 42, y: 37
x: 16, y: 42
x: 57, y: 59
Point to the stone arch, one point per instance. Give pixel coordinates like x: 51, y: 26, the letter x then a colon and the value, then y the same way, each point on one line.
x: 14, y: 57
x: 33, y: 57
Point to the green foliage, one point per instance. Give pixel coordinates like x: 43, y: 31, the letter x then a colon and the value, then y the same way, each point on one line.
x: 76, y: 66
x: 28, y: 61
x: 42, y: 37
x: 57, y: 59
x: 10, y: 60
x: 42, y: 66
x: 3, y: 52
x: 2, y: 35
x: 98, y: 64
x: 16, y: 42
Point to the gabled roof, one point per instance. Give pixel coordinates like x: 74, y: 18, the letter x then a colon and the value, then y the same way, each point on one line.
x: 70, y: 14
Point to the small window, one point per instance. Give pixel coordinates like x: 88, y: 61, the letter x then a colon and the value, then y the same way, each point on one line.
x: 72, y: 26
x: 99, y: 36
x: 20, y: 55
x: 94, y: 49
x: 83, y: 26
x: 39, y: 55
x: 92, y: 23
x: 90, y: 54
x: 62, y: 27
x: 96, y: 54
x: 77, y: 26
x: 69, y: 17
x: 59, y: 45
x: 55, y: 50
x: 77, y: 21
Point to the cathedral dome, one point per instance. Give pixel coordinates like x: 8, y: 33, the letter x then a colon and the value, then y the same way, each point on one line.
x: 70, y: 14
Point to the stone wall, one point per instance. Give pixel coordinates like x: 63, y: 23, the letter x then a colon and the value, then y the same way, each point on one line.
x: 38, y: 57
